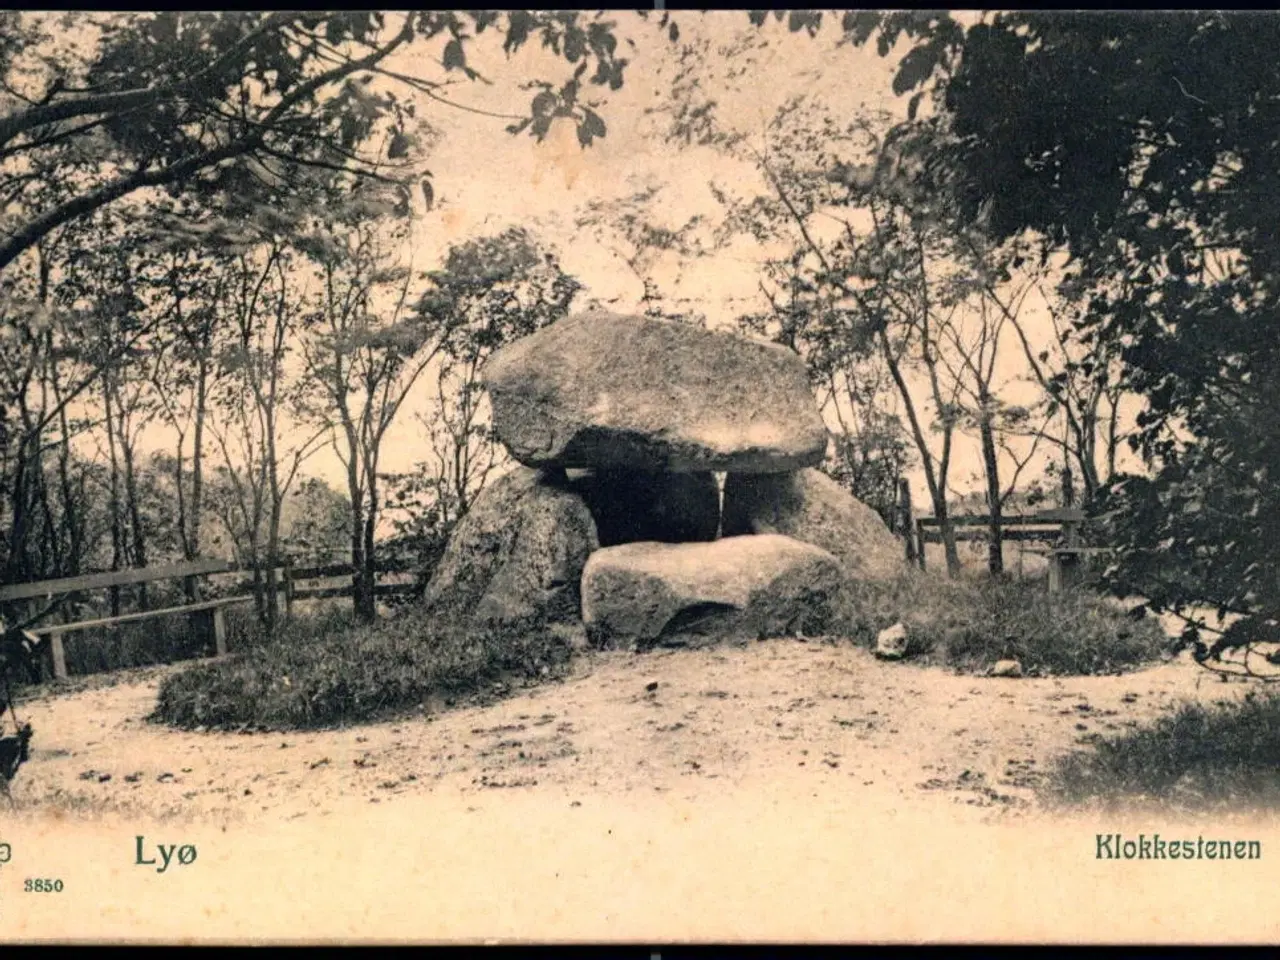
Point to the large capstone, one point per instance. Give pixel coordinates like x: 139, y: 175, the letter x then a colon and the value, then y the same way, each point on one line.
x: 742, y: 588
x: 608, y: 391
x: 518, y: 554
x: 632, y: 505
x: 810, y: 506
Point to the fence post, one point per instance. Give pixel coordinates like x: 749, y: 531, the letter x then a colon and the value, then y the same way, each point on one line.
x: 59, y: 654
x: 288, y: 587
x: 905, y: 519
x: 1069, y: 563
x: 920, y: 542
x: 220, y: 631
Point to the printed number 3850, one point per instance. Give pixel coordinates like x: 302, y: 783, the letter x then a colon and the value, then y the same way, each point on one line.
x: 42, y: 886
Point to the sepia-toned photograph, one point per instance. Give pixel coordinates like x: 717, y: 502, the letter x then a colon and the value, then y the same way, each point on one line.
x: 640, y: 476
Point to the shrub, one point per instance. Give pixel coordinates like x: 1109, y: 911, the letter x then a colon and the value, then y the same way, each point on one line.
x: 970, y: 624
x: 1196, y: 758
x: 327, y: 670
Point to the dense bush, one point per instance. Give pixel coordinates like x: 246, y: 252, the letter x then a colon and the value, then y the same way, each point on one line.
x: 970, y: 624
x: 324, y: 670
x: 1197, y: 758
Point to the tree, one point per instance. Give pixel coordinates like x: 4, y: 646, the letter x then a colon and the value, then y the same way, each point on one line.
x: 496, y: 289
x: 235, y: 101
x: 183, y: 376
x: 316, y: 527
x: 970, y: 362
x: 256, y: 396
x: 488, y: 292
x: 365, y: 349
x: 1142, y: 144
x: 875, y: 245
x: 1080, y: 380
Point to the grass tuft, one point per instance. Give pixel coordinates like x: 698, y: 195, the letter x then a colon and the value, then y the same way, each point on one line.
x: 1198, y: 758
x: 327, y: 670
x: 971, y: 624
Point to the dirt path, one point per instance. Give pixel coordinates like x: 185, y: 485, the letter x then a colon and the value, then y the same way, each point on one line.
x: 778, y: 792
x: 781, y: 712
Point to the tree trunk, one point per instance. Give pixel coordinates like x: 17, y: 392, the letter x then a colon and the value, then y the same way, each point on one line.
x: 936, y: 479
x: 948, y: 530
x: 273, y: 564
x: 1113, y: 424
x: 273, y: 537
x: 276, y: 502
x: 73, y: 515
x: 135, y: 516
x: 356, y: 494
x: 366, y: 594
x: 17, y: 511
x: 73, y: 520
x: 191, y: 541
x: 117, y: 536
x: 991, y: 466
x: 906, y: 519
x: 357, y: 558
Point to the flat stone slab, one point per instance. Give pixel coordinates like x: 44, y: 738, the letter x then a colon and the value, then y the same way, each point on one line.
x: 689, y: 594
x: 604, y: 390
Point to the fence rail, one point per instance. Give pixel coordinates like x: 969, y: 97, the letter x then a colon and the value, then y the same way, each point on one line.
x: 117, y: 578
x: 206, y: 616
x: 1058, y: 530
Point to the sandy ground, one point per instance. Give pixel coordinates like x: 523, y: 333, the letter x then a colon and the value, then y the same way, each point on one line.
x: 806, y: 713
x: 674, y: 795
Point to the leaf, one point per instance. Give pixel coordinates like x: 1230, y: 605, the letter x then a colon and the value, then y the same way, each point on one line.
x: 518, y: 26
x: 348, y: 130
x: 399, y: 146
x: 543, y: 104
x: 428, y: 194
x: 574, y: 45
x: 915, y: 68
x: 615, y: 80
x: 673, y: 32
x: 859, y: 25
x: 805, y: 19
x: 454, y: 58
x: 592, y: 126
x: 914, y: 105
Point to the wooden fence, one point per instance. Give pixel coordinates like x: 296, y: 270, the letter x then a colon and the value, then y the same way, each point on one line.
x: 1056, y: 534
x: 207, y: 617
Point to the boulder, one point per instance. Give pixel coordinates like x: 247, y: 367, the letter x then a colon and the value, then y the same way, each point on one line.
x: 744, y: 588
x: 810, y: 506
x: 891, y: 642
x: 518, y: 554
x: 629, y: 506
x: 609, y: 391
x: 1007, y: 668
